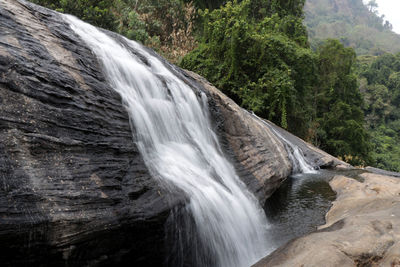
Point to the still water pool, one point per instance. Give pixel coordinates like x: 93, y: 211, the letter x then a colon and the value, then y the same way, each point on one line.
x: 299, y: 206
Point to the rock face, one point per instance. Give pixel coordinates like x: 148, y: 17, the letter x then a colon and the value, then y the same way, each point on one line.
x: 74, y: 189
x: 382, y: 172
x: 362, y: 228
x: 259, y: 155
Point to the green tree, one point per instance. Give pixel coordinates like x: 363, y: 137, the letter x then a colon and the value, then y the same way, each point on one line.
x: 382, y: 109
x: 165, y: 25
x: 264, y: 64
x: 208, y: 4
x: 93, y: 11
x: 338, y: 105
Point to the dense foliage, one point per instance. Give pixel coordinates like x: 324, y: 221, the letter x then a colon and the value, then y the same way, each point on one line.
x: 353, y: 23
x: 208, y: 4
x: 257, y: 52
x: 165, y: 25
x: 93, y: 11
x: 263, y: 61
x: 381, y: 88
x: 338, y: 103
x: 359, y: 26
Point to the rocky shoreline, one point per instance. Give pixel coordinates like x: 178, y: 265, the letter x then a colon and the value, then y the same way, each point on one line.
x: 362, y: 228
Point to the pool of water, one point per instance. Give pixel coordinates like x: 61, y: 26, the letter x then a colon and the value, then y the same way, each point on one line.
x: 299, y: 206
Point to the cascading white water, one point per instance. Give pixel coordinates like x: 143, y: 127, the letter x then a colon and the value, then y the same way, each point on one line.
x: 300, y: 165
x: 176, y: 140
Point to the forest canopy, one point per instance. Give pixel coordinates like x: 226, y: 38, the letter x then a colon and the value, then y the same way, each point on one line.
x: 259, y: 53
x: 380, y: 84
x: 264, y: 62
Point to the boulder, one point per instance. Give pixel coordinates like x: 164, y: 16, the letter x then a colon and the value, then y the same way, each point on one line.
x: 362, y: 228
x: 74, y: 189
x: 259, y: 154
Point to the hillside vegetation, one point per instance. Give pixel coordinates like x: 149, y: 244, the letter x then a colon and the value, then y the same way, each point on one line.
x: 164, y: 25
x: 353, y: 23
x: 263, y: 61
x: 359, y: 26
x: 258, y: 52
x: 380, y: 85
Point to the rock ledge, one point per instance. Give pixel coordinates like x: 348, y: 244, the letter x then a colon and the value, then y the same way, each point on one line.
x: 362, y: 228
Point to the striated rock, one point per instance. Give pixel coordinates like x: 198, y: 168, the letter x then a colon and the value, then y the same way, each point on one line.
x: 362, y: 228
x: 73, y: 187
x: 260, y: 156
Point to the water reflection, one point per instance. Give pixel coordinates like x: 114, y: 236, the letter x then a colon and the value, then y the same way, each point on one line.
x: 299, y: 206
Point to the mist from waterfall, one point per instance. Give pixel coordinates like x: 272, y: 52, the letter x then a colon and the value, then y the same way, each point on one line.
x: 174, y: 134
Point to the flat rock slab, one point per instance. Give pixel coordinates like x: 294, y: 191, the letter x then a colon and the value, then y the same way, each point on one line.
x: 362, y: 228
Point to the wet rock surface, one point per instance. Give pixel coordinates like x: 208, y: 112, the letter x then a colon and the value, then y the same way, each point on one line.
x: 362, y: 228
x: 73, y: 187
x: 259, y: 155
x: 74, y: 190
x: 382, y: 172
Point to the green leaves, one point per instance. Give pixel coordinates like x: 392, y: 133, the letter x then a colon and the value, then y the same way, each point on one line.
x: 258, y: 61
x: 338, y: 105
x: 257, y: 52
x: 271, y: 96
x: 131, y: 26
x: 95, y: 12
x: 382, y: 109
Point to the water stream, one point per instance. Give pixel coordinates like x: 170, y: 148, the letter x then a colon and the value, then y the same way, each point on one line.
x: 300, y: 164
x: 175, y: 137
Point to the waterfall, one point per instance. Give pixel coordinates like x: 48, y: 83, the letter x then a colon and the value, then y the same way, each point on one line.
x: 296, y: 156
x: 175, y: 138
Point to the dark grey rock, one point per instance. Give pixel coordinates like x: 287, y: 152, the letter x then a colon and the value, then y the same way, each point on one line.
x: 259, y: 155
x: 383, y: 172
x: 73, y: 188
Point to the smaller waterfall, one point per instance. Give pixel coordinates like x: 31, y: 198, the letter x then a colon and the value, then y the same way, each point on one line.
x: 300, y: 165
